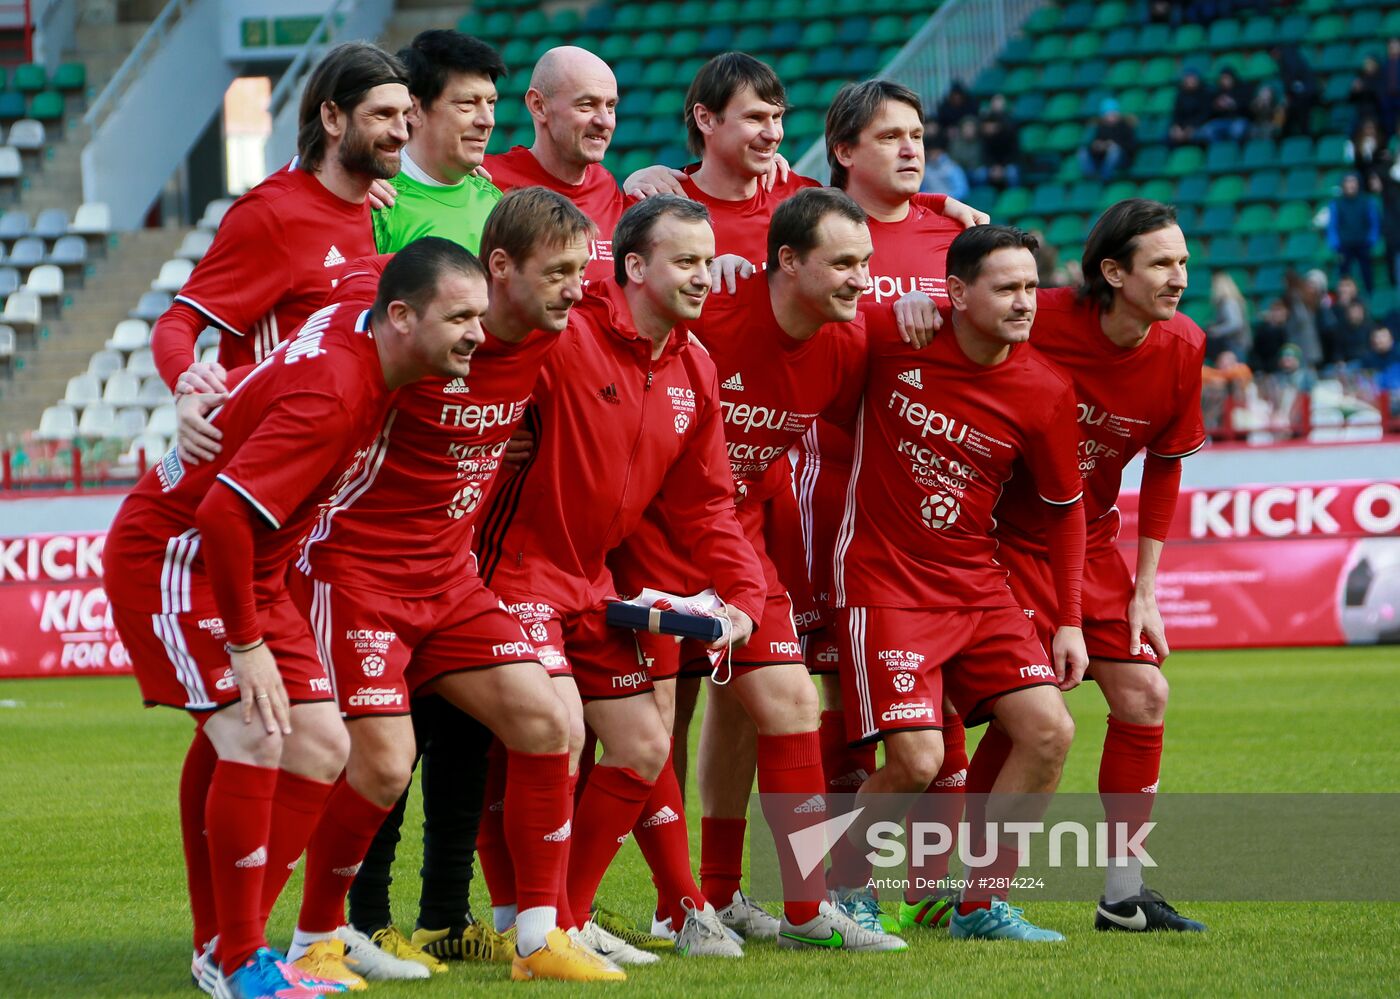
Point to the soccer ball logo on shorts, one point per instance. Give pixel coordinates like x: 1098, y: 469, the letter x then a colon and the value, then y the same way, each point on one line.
x: 372, y: 665
x: 903, y: 682
x: 465, y: 501
x: 682, y: 422
x: 939, y: 511
x: 538, y: 632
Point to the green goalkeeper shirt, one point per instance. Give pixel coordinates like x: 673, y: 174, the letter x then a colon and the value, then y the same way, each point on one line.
x: 427, y: 208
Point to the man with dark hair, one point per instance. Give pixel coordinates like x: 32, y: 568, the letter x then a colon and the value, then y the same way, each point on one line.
x: 452, y: 80
x: 387, y: 579
x: 283, y: 244
x: 573, y: 103
x: 873, y: 138
x: 199, y: 554
x: 925, y: 612
x: 278, y: 253
x: 785, y: 349
x: 627, y: 387
x: 1135, y: 362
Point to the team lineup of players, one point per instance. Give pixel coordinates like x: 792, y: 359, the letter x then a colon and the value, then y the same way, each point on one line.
x: 444, y: 433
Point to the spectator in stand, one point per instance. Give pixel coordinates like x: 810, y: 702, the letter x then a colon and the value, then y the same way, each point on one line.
x: 1228, y: 371
x: 1300, y: 89
x: 1366, y: 89
x: 1222, y: 384
x: 1001, y: 146
x: 1351, y: 338
x: 956, y: 106
x: 1305, y: 297
x: 1229, y: 327
x: 1229, y: 109
x: 1295, y: 377
x: 1047, y: 263
x: 1266, y: 113
x: 942, y: 174
x: 1390, y: 87
x: 1387, y: 185
x: 1191, y: 110
x: 1354, y: 230
x: 1384, y: 359
x: 1113, y: 145
x: 1270, y: 334
x: 1365, y: 149
x: 965, y: 146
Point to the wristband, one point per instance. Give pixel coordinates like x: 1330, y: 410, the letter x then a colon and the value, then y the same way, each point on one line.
x: 230, y: 648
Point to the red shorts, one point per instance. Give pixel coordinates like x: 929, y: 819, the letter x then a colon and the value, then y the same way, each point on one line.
x: 1108, y: 588
x: 179, y: 659
x: 821, y: 649
x: 773, y: 642
x: 605, y: 662
x: 897, y: 665
x: 381, y: 648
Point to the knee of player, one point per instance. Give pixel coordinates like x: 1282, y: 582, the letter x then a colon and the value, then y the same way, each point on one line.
x: 916, y: 763
x: 646, y: 748
x: 323, y: 744
x: 264, y: 749
x: 545, y: 728
x: 380, y: 778
x: 1056, y: 736
x: 1154, y: 696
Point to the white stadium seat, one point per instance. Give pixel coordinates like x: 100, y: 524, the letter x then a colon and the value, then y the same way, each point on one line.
x: 129, y: 335
x: 141, y: 363
x: 11, y: 167
x: 173, y: 275
x: 154, y: 391
x: 50, y: 224
x: 195, y: 245
x: 27, y: 135
x: 98, y: 420
x: 14, y: 224
x: 214, y: 213
x: 58, y: 423
x: 153, y: 444
x: 104, y: 363
x: 208, y: 337
x: 122, y: 389
x: 131, y: 421
x: 162, y: 421
x: 46, y: 281
x: 23, y: 308
x: 7, y: 341
x: 83, y: 390
x: 151, y: 306
x: 93, y: 218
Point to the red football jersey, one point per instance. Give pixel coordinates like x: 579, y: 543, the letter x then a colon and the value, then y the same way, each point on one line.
x: 910, y: 255
x: 279, y: 250
x: 598, y: 196
x: 1147, y: 397
x: 771, y: 389
x: 306, y: 424
x: 407, y: 529
x: 937, y: 441
x: 742, y: 226
x: 614, y: 431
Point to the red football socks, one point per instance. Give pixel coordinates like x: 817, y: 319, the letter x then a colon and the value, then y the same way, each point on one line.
x: 721, y: 857
x: 338, y: 845
x: 297, y: 805
x: 195, y: 776
x: 845, y: 767
x: 491, y: 849
x: 790, y: 781
x: 237, y: 814
x: 665, y: 843
x: 564, y: 913
x: 1132, y: 759
x: 606, y: 813
x: 942, y: 803
x: 537, y: 825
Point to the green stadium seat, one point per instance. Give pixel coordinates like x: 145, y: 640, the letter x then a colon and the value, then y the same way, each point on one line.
x: 1223, y: 34
x: 1158, y: 72
x: 1012, y: 203
x: 1061, y: 107
x: 1089, y: 74
x: 1222, y: 157
x: 1028, y: 107
x: 70, y: 76
x: 1184, y: 160
x: 1188, y: 39
x: 1083, y: 46
x: 1270, y: 281
x: 1259, y: 153
x: 1391, y: 25
x: 517, y: 51
x: 1255, y: 218
x: 628, y: 73
x: 1191, y: 190
x: 784, y: 36
x: 531, y: 23
x: 1339, y: 57
x: 889, y: 30
x: 1048, y: 48
x: 1020, y: 80
x: 1226, y: 251
x: 1076, y: 17
x: 1188, y: 218
x: 751, y: 38
x: 819, y: 33
x: 1124, y: 73
x: 1151, y: 161
x: 1263, y: 248
x: 1082, y: 197
x: 1153, y: 40
x: 1119, y: 43
x: 1065, y: 138
x: 1132, y: 102
x: 1225, y: 190
x: 1042, y: 21
x: 11, y: 105
x: 1293, y: 216
x: 30, y: 78
x: 1154, y: 190
x: 1328, y: 28
x: 598, y: 18
x: 1216, y: 220
x: 1366, y: 24
x: 1056, y: 76
x: 499, y: 24
x: 1049, y: 198
x: 1019, y: 50
x: 1263, y: 186
x: 716, y: 39
x: 1331, y: 149
x: 1259, y: 32
x: 1067, y: 229
x: 1257, y: 66
x: 1109, y: 15
x: 854, y: 30
x: 793, y: 65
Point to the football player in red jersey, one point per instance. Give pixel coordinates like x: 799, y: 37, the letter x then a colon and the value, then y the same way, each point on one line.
x: 1136, y: 366
x: 388, y: 582
x: 874, y: 141
x: 924, y: 605
x: 282, y: 245
x: 198, y: 557
x: 573, y: 102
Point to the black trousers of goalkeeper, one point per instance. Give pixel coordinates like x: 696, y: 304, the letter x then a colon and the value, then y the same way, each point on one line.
x: 452, y: 749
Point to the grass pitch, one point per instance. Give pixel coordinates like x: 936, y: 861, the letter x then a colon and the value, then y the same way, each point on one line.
x: 92, y: 900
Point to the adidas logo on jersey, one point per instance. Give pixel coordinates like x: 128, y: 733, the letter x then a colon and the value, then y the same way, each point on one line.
x: 913, y: 377
x: 559, y: 835
x: 666, y: 815
x: 257, y: 858
x: 334, y: 258
x: 608, y: 393
x: 816, y: 803
x: 735, y: 383
x: 457, y: 386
